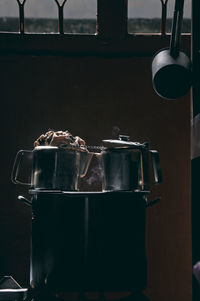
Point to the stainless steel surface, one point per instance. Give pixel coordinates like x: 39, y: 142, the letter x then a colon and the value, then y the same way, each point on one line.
x: 11, y: 290
x: 121, y: 143
x: 54, y: 168
x: 121, y: 170
x: 125, y: 165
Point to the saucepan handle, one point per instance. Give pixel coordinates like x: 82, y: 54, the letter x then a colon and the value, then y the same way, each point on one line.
x: 156, y: 166
x: 17, y: 166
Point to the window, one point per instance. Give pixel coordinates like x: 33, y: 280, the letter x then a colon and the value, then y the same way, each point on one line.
x: 80, y: 16
x: 70, y: 26
x: 9, y: 15
x: 42, y: 16
x: 145, y: 16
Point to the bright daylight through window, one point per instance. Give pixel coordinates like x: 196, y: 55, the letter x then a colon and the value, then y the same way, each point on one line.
x: 80, y: 16
x: 145, y: 16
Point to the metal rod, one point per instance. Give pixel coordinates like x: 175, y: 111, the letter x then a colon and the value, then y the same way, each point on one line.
x: 176, y: 28
x: 60, y: 16
x: 164, y: 17
x: 60, y: 20
x: 21, y: 16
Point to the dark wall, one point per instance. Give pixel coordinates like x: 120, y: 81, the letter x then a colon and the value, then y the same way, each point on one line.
x: 92, y: 96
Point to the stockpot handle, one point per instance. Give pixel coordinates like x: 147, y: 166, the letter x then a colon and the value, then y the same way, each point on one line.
x: 24, y: 200
x: 16, y: 167
x: 156, y: 166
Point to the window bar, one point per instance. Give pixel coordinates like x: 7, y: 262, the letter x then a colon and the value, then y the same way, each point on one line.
x: 60, y: 16
x: 21, y: 15
x: 164, y: 17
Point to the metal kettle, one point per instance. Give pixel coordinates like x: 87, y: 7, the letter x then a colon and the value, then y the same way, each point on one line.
x: 53, y: 168
x: 125, y: 165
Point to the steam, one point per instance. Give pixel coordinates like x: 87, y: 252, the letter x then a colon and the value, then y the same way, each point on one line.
x: 95, y: 175
x: 115, y: 131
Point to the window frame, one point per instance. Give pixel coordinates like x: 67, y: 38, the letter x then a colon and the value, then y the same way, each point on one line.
x: 112, y: 37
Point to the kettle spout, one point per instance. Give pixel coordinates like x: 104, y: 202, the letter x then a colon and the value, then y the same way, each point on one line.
x: 85, y: 158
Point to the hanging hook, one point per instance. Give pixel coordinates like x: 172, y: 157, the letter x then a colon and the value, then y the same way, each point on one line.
x: 21, y: 15
x: 164, y: 17
x: 60, y: 15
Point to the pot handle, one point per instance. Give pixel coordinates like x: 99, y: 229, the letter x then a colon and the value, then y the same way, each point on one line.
x: 153, y: 202
x: 176, y: 28
x: 16, y: 167
x: 156, y: 166
x: 24, y: 200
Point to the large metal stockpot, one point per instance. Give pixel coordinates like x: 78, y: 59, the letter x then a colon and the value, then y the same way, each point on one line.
x: 88, y: 241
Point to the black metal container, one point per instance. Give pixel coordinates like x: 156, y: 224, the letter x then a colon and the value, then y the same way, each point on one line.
x: 88, y: 241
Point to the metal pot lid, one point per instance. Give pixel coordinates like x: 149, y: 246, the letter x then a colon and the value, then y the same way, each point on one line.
x: 123, y: 142
x: 61, y: 147
x: 40, y: 147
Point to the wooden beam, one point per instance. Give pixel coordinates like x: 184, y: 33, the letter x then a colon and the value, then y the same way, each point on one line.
x: 85, y: 45
x: 195, y: 162
x: 196, y: 55
x: 112, y: 18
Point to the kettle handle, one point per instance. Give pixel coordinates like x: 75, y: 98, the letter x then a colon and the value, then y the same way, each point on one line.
x: 156, y: 166
x: 16, y: 167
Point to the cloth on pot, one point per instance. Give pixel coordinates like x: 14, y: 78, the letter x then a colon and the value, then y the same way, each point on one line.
x: 58, y: 138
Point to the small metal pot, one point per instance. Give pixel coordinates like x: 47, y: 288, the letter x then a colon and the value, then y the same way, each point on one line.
x: 171, y: 68
x: 125, y: 165
x: 53, y: 168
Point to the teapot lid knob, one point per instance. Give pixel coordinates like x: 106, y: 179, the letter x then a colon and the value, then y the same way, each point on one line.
x: 124, y: 138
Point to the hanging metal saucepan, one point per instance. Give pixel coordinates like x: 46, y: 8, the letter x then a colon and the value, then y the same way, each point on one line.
x: 125, y: 165
x: 171, y: 68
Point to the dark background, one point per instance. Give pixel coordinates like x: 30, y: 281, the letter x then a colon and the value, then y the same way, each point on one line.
x: 91, y: 96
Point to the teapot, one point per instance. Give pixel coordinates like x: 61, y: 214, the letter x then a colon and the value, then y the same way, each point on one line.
x: 125, y: 165
x: 53, y: 168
